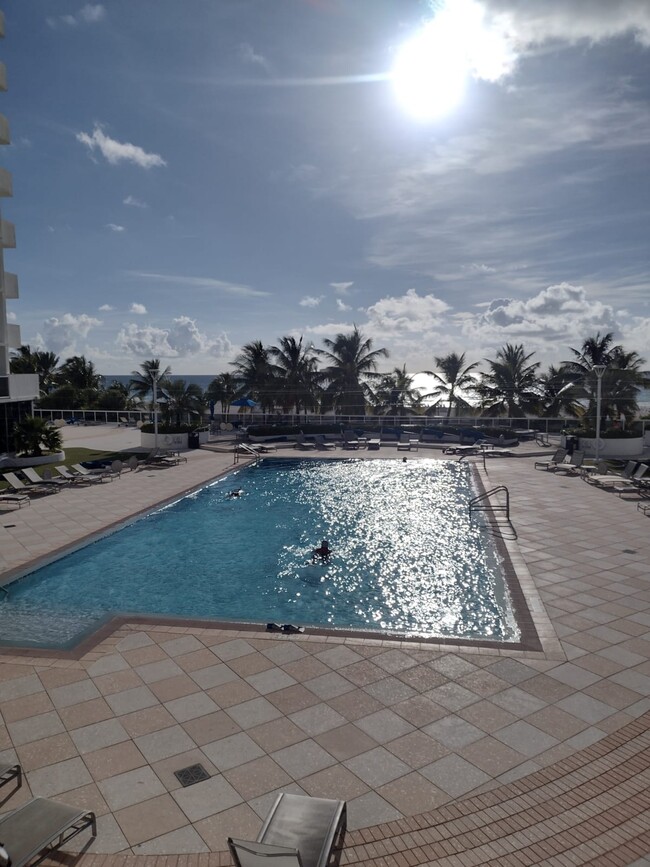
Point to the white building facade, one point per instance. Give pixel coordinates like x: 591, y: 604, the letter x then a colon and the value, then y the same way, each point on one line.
x: 17, y: 391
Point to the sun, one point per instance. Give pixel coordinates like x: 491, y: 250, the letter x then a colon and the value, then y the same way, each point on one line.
x: 432, y: 70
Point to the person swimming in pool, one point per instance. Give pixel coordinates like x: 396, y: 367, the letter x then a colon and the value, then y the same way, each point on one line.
x: 323, y: 553
x: 236, y: 493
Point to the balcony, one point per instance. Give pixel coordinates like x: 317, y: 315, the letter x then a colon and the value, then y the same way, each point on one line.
x: 19, y: 386
x: 7, y: 234
x: 3, y: 77
x: 9, y: 287
x: 6, y: 186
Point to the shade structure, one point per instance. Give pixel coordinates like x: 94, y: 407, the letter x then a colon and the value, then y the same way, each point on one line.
x: 244, y: 401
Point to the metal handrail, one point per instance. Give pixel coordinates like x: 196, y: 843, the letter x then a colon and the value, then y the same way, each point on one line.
x: 4, y: 590
x: 488, y: 506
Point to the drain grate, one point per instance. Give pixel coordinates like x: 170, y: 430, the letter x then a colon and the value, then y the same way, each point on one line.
x: 629, y: 551
x: 192, y: 774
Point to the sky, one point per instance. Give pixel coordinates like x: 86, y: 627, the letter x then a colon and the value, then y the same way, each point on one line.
x: 448, y: 177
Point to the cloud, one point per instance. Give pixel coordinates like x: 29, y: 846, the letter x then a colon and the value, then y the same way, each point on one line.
x: 140, y: 309
x: 181, y: 340
x: 342, y: 306
x: 106, y: 308
x: 410, y: 313
x: 61, y: 336
x: 132, y: 202
x: 91, y: 13
x: 115, y: 228
x: 341, y: 288
x: 115, y: 152
x: 202, y: 283
x: 249, y: 56
x: 11, y: 316
x: 310, y: 301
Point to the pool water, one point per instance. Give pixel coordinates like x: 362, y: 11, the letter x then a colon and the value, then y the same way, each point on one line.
x: 405, y: 559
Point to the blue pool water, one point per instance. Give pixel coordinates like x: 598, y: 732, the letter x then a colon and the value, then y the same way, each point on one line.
x: 406, y: 558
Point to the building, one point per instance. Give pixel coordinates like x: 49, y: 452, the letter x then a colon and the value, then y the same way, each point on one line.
x: 17, y: 391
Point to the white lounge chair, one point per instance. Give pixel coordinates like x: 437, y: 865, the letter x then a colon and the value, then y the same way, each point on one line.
x: 76, y: 478
x: 19, y: 500
x: 557, y: 458
x: 99, y: 472
x: 20, y: 487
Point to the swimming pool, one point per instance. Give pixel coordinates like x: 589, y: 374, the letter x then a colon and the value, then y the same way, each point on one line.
x: 406, y: 558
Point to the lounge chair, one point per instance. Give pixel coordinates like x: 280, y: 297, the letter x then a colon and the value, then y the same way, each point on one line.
x: 11, y: 772
x: 637, y: 483
x: 604, y: 479
x: 76, y: 478
x: 20, y: 487
x: 558, y: 458
x: 321, y: 443
x: 572, y: 467
x: 373, y: 444
x: 33, y: 831
x: 298, y: 832
x: 98, y: 472
x: 350, y: 440
x: 19, y: 500
x: 33, y: 477
x: 302, y: 443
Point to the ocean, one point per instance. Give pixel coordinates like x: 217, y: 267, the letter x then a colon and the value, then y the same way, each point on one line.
x: 202, y: 380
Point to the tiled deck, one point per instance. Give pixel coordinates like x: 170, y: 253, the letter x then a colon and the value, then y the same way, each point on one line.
x: 461, y: 738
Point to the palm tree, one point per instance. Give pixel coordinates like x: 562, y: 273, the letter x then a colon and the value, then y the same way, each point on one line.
x: 32, y: 434
x: 183, y: 400
x: 142, y: 382
x: 79, y: 373
x: 294, y: 373
x: 455, y: 377
x: 621, y: 379
x: 559, y: 395
x: 352, y: 364
x: 395, y: 394
x: 510, y: 385
x: 254, y: 371
x: 43, y: 363
x: 223, y: 388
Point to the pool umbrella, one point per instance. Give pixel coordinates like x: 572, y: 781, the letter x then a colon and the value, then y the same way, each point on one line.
x: 244, y: 401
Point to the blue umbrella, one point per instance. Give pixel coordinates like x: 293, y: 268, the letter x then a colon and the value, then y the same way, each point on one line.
x: 244, y: 401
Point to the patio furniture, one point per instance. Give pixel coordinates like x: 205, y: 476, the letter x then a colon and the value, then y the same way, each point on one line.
x: 298, y: 832
x: 35, y: 830
x: 350, y: 440
x: 75, y: 478
x: 322, y: 444
x: 11, y: 772
x: 558, y: 457
x: 302, y: 443
x: 604, y: 479
x: 373, y: 444
x: 20, y: 487
x: 98, y: 472
x: 573, y: 466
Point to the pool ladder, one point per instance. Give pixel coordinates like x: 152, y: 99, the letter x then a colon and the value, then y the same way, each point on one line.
x: 482, y: 503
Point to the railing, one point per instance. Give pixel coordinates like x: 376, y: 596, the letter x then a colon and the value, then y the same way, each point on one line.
x: 481, y: 503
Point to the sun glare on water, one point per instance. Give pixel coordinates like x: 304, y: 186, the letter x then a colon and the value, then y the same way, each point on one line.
x: 432, y: 69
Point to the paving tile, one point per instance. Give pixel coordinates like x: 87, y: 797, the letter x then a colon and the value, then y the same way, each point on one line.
x: 413, y: 794
x: 35, y: 728
x: 144, y: 655
x: 269, y: 681
x: 203, y: 658
x: 525, y: 738
x: 384, y: 725
x: 486, y: 716
x: 370, y: 809
x: 102, y: 734
x: 205, y: 729
x: 364, y: 672
x: 160, y: 670
x: 276, y: 734
x: 394, y: 661
x: 252, y: 663
x: 453, y: 732
x: 253, y: 713
x: 206, y: 798
x: 215, y: 675
x: 46, y: 751
x: 556, y: 722
x: 293, y: 698
x: 283, y: 652
x: 108, y: 664
x: 573, y: 675
x: 422, y: 677
x: 233, y: 649
x: 419, y: 710
x: 61, y: 777
x: 150, y: 819
x: 163, y: 743
x: 452, y: 666
x: 511, y: 670
x: 131, y: 700
x: 338, y: 657
x: 171, y: 688
x: 302, y: 759
x: 305, y: 668
x: 114, y: 760
x: 417, y: 749
x: 377, y: 766
x: 241, y: 822
x: 18, y: 687
x: 453, y: 696
x: 109, y: 840
x: 354, y: 705
x: 182, y: 645
x: 483, y: 683
x: 235, y: 692
x: 26, y: 706
x: 390, y: 690
x: 130, y: 787
x: 518, y: 702
x: 336, y: 782
x: 185, y: 841
x: 586, y: 708
x: 228, y: 752
x: 191, y: 706
x: 262, y: 804
x: 257, y: 777
x: 345, y: 742
x: 133, y: 641
x: 328, y: 686
x: 165, y: 769
x: 454, y: 775
x: 142, y: 722
x: 317, y: 719
x: 491, y: 756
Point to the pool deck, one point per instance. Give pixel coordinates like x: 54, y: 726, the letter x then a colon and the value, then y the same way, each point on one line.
x: 445, y: 754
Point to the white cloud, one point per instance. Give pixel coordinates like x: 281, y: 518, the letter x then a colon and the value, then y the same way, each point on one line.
x: 341, y: 288
x: 106, y: 308
x: 410, y: 313
x: 11, y: 316
x: 248, y: 55
x: 115, y: 228
x: 342, y: 306
x: 310, y: 301
x: 139, y: 309
x: 202, y: 283
x: 91, y: 13
x: 62, y: 336
x: 132, y: 202
x: 183, y: 339
x: 115, y: 152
